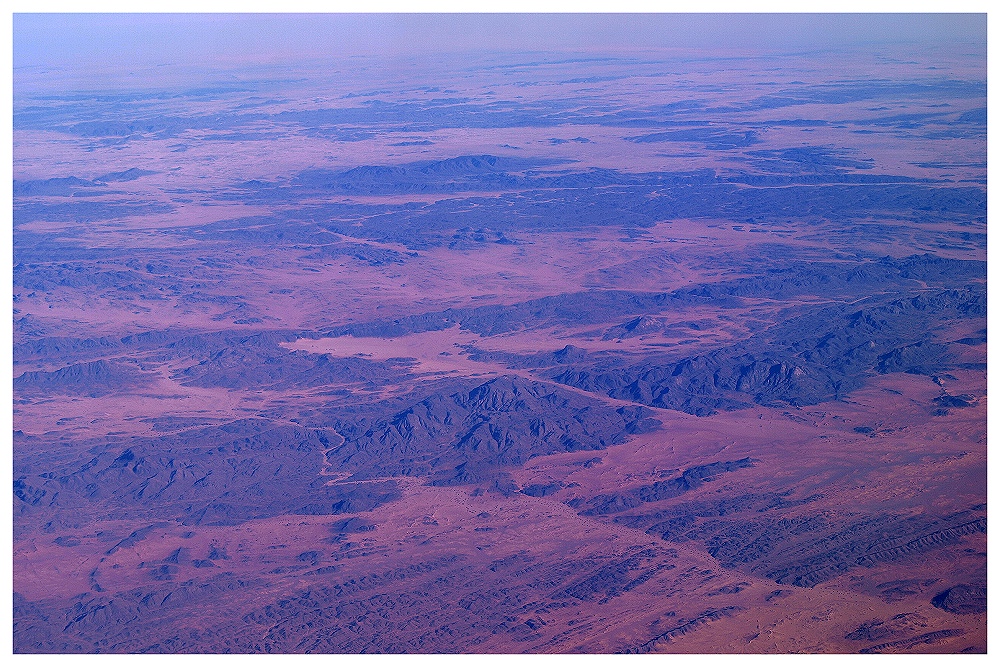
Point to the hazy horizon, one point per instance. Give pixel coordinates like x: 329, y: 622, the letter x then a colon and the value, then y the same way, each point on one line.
x: 48, y: 39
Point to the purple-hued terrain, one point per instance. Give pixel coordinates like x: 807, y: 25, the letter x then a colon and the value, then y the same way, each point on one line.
x: 477, y: 343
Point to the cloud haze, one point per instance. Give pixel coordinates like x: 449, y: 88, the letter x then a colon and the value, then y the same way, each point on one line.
x: 41, y: 39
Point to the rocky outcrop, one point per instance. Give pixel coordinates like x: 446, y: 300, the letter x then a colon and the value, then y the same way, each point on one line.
x: 472, y: 436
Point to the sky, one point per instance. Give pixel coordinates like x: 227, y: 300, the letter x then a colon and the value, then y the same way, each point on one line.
x: 49, y: 39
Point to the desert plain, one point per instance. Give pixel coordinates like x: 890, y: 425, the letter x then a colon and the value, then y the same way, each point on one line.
x: 630, y: 351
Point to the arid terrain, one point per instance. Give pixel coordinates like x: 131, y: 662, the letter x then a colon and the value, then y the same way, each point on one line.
x: 622, y: 352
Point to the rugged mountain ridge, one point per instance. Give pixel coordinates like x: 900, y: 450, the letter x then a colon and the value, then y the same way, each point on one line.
x: 472, y: 436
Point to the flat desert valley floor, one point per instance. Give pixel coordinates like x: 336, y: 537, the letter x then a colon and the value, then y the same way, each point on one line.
x: 662, y: 351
